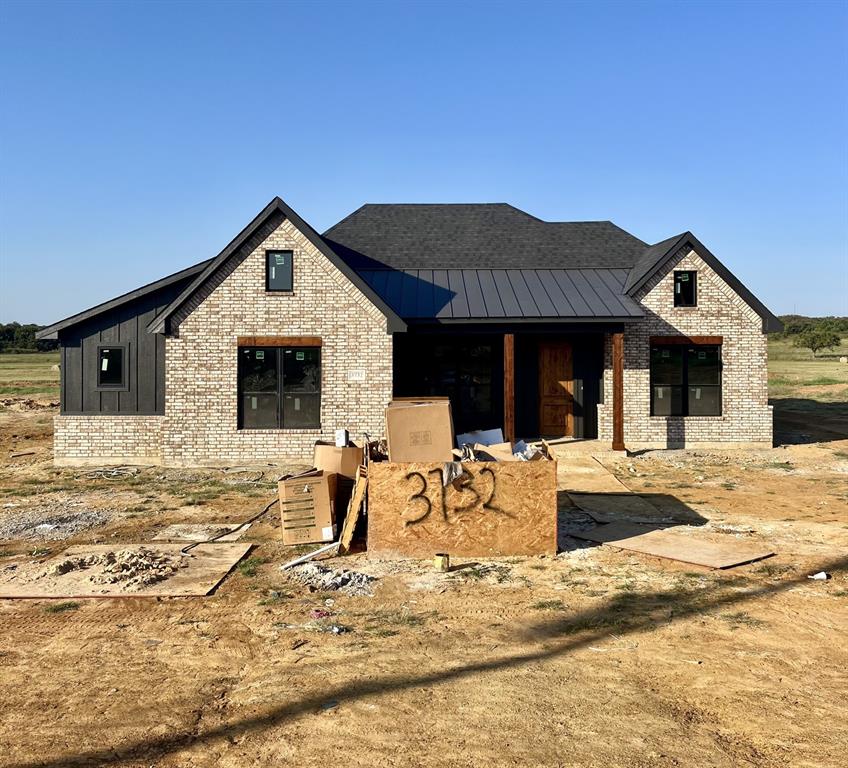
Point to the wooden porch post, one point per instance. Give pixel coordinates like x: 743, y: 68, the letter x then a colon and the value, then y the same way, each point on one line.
x: 618, y: 391
x: 509, y: 385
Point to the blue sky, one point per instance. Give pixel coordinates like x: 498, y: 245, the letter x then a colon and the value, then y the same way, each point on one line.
x: 137, y: 139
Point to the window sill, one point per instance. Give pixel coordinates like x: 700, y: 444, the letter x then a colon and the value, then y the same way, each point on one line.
x: 279, y: 430
x: 698, y: 418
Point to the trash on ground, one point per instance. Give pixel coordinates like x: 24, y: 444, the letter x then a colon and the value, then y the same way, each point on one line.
x: 820, y: 576
x: 320, y: 578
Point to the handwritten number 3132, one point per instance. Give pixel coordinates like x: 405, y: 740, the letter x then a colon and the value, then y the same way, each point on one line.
x: 466, y: 483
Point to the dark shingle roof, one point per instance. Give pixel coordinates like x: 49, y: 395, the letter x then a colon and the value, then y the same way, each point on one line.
x: 468, y: 236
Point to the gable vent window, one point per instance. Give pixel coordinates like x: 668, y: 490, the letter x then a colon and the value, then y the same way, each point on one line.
x: 685, y: 288
x: 279, y: 387
x: 278, y: 270
x: 112, y: 367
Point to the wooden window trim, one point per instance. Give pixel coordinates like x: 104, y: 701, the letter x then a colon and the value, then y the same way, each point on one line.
x: 279, y: 341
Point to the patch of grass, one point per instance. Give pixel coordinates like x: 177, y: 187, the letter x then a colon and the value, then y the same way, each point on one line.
x: 774, y: 569
x: 728, y: 486
x: 6, y: 553
x: 538, y: 566
x: 386, y: 623
x: 250, y: 567
x: 274, y: 596
x: 841, y: 454
x: 786, y: 465
x: 40, y: 552
x: 479, y: 571
x: 549, y: 605
x: 68, y: 605
x: 742, y: 618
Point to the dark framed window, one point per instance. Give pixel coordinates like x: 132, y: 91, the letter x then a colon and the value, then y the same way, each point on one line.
x: 279, y: 272
x: 686, y: 288
x: 685, y: 380
x: 279, y: 387
x: 112, y: 363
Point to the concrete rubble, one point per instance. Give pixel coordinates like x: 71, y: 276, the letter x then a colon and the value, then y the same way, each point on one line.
x: 320, y: 578
x: 131, y: 569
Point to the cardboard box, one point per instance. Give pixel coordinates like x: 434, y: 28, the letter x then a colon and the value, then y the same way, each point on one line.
x: 419, y: 429
x: 308, y: 508
x: 338, y: 461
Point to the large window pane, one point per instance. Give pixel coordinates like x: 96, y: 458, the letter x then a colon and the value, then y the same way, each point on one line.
x: 705, y: 401
x: 301, y: 387
x: 301, y: 410
x: 259, y: 411
x: 667, y: 365
x: 704, y: 366
x: 667, y: 401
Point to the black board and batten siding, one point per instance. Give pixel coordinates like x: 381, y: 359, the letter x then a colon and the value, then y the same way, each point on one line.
x: 145, y: 359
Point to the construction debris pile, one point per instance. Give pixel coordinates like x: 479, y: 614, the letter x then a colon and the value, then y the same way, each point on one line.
x: 131, y: 569
x: 319, y: 578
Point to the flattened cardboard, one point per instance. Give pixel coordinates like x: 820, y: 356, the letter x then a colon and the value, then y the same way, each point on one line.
x: 481, y: 436
x: 419, y: 430
x: 308, y: 508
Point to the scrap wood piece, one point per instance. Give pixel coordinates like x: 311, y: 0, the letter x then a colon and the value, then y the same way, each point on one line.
x: 353, y: 509
x: 224, y: 532
x: 202, y: 571
x: 675, y: 545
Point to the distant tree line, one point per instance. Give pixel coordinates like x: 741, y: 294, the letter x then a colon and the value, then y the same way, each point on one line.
x: 814, y: 333
x: 15, y: 337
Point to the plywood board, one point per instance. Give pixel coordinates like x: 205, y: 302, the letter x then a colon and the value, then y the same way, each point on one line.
x: 201, y: 532
x: 493, y: 509
x: 353, y: 509
x: 689, y: 547
x: 206, y: 566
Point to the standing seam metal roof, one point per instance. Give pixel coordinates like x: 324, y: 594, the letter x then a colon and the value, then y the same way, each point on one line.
x: 470, y: 294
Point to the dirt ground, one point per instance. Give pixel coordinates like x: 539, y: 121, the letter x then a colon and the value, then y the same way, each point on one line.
x: 595, y: 657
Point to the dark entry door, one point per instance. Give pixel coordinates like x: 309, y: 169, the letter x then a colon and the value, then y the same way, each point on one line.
x: 556, y: 413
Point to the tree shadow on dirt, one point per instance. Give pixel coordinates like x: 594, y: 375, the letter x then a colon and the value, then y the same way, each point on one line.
x: 625, y: 613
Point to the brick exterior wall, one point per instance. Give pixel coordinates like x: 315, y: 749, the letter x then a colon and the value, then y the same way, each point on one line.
x: 201, y: 403
x: 101, y: 439
x: 746, y: 416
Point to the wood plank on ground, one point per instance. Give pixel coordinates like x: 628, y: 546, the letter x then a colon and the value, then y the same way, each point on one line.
x: 687, y: 547
x: 206, y: 565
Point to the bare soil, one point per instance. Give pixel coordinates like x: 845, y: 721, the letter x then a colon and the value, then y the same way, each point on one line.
x: 595, y: 657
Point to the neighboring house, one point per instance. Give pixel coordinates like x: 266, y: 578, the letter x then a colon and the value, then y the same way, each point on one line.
x: 545, y: 329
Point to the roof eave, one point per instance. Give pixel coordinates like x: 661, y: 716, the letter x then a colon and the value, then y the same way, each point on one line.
x: 161, y: 323
x: 52, y: 331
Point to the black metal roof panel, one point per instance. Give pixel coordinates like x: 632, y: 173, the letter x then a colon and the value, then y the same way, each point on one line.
x: 468, y: 236
x: 504, y: 294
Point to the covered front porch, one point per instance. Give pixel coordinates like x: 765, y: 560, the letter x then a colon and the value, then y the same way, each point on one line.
x: 530, y: 380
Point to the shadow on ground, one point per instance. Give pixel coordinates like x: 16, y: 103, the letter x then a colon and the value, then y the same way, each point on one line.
x: 625, y: 613
x: 798, y: 421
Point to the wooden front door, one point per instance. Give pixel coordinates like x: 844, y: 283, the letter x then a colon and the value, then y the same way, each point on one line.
x: 556, y: 382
